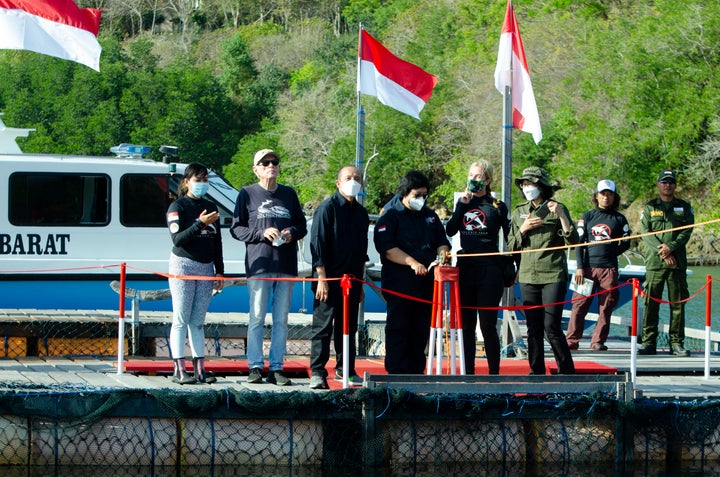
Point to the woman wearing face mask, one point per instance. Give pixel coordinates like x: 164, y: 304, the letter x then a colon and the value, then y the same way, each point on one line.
x: 197, y: 251
x: 479, y: 218
x: 538, y: 224
x: 409, y: 236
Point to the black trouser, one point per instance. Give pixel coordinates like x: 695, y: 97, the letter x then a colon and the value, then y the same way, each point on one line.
x: 480, y: 286
x: 327, y: 322
x: 407, y: 331
x: 546, y: 320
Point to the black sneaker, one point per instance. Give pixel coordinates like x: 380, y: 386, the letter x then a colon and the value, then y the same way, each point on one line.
x: 186, y: 379
x: 678, y: 350
x: 278, y: 378
x: 599, y: 347
x: 255, y: 376
x: 353, y: 380
x: 207, y: 378
x: 646, y: 350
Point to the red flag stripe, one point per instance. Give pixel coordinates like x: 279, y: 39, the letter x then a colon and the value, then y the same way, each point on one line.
x: 409, y: 76
x: 59, y: 11
x: 511, y: 26
x: 512, y: 63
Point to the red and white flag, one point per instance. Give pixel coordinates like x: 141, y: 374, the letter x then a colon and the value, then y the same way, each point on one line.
x: 512, y: 64
x: 52, y: 27
x: 395, y: 82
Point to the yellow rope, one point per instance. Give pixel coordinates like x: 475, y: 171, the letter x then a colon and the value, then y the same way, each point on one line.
x: 584, y: 244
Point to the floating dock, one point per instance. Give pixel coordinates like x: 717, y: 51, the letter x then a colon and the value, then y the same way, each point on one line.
x: 76, y: 409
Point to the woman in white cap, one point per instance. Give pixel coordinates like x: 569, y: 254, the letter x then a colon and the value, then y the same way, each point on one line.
x: 598, y: 263
x: 538, y: 225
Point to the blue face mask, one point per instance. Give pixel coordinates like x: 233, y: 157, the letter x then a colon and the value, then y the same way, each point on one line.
x: 199, y: 189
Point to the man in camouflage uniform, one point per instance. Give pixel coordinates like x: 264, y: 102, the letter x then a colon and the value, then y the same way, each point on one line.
x: 666, y: 262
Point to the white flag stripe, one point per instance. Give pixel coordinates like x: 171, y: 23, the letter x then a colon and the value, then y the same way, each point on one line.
x: 524, y: 102
x: 24, y: 31
x: 388, y: 92
x: 511, y: 63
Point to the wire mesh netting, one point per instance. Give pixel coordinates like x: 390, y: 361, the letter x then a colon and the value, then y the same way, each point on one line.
x: 98, y: 336
x: 350, y: 429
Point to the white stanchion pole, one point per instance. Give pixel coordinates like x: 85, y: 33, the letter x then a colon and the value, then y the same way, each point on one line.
x: 453, y: 351
x: 436, y: 309
x: 121, y: 346
x: 633, y: 359
x: 457, y: 309
x: 431, y: 350
x: 346, y: 361
x: 707, y: 352
x: 121, y: 321
x: 708, y: 320
x: 438, y: 346
x: 346, y: 285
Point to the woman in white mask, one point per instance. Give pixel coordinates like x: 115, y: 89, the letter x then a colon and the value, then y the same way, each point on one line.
x: 197, y: 251
x: 409, y: 236
x: 539, y: 224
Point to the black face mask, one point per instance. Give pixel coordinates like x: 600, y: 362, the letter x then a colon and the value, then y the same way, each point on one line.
x: 475, y: 185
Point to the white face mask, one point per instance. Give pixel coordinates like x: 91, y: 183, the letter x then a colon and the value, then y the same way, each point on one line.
x: 416, y: 203
x: 530, y: 192
x: 198, y: 189
x: 350, y: 188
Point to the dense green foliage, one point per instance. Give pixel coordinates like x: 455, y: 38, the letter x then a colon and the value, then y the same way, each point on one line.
x: 623, y: 90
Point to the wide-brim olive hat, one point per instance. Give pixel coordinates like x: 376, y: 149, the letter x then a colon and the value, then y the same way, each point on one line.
x: 535, y: 175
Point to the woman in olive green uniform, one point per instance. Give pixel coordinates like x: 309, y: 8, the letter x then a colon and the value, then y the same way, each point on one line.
x: 538, y: 224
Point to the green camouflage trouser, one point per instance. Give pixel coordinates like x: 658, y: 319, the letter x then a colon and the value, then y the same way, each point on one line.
x: 677, y: 291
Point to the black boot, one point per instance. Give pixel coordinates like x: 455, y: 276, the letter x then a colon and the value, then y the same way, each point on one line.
x: 201, y: 375
x: 180, y: 376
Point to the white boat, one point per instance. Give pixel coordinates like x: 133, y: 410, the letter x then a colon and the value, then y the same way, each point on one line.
x: 68, y: 222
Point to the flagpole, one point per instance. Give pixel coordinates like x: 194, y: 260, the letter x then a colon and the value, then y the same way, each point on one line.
x: 360, y: 135
x: 510, y: 328
x: 359, y: 159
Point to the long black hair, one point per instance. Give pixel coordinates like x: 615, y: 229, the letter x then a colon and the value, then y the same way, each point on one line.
x: 615, y: 205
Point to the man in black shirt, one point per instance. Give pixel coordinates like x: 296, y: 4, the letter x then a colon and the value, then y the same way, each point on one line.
x: 339, y: 240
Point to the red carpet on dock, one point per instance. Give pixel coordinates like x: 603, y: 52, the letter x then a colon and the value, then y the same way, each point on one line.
x: 301, y: 367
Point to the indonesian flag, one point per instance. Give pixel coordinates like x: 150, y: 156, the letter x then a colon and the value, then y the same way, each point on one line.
x: 512, y: 64
x: 52, y: 27
x: 395, y: 83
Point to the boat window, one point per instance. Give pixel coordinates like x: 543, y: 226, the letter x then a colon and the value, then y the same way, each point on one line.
x: 222, y: 193
x: 144, y: 199
x: 50, y: 199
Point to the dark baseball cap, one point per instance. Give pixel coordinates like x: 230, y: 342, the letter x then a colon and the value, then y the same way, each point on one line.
x: 667, y: 175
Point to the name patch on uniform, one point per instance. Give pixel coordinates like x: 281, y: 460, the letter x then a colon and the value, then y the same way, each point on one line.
x: 679, y: 211
x: 656, y: 213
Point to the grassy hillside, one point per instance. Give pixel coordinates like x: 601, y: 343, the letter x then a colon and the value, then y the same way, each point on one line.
x: 624, y: 89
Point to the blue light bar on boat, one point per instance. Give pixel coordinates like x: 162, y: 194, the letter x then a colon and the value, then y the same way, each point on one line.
x: 130, y: 150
